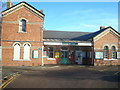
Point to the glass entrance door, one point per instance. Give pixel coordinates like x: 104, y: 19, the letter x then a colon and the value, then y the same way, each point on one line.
x: 64, y: 57
x: 78, y: 57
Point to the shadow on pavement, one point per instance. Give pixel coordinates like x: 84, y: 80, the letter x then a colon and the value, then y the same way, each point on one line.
x: 77, y: 74
x: 112, y: 78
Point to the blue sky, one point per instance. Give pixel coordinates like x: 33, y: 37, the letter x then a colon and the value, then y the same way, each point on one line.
x: 78, y: 16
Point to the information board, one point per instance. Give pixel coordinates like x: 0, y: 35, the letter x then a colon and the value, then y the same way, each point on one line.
x: 99, y: 55
x: 118, y: 55
x: 35, y: 54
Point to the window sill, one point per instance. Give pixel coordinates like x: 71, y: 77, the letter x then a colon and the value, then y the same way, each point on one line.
x: 51, y: 58
x: 21, y: 32
x: 106, y: 59
x: 26, y: 60
x: 16, y: 59
x: 21, y: 60
x: 112, y: 59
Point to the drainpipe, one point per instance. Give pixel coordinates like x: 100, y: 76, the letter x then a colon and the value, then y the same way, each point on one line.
x: 42, y: 56
x: 92, y: 52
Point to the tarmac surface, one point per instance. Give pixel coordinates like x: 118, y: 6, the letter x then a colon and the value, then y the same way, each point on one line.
x: 68, y: 77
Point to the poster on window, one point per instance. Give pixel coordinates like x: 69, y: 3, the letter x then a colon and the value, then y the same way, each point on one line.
x: 35, y: 54
x: 118, y: 55
x: 57, y: 54
x: 99, y: 55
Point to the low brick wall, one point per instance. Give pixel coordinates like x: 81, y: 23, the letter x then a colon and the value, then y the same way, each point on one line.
x: 106, y: 62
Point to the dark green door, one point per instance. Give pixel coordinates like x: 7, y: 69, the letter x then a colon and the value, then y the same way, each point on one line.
x: 64, y: 57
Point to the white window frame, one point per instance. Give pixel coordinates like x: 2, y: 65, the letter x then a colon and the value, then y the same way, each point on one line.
x: 26, y: 52
x: 114, y: 52
x: 16, y: 55
x: 21, y: 26
x: 107, y: 53
x: 53, y: 54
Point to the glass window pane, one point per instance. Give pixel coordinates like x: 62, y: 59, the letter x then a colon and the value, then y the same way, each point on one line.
x: 22, y: 25
x: 114, y: 53
x: 50, y: 52
x: 106, y: 50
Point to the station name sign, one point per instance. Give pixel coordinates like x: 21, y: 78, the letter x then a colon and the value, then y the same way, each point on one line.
x: 69, y: 43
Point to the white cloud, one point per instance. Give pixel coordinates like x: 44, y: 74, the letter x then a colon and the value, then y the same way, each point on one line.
x: 81, y: 11
x: 89, y: 26
x: 80, y: 27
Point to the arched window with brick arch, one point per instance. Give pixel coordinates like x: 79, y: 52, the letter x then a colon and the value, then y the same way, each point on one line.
x: 16, y: 51
x: 114, y: 53
x: 22, y: 25
x: 106, y: 52
x: 26, y: 55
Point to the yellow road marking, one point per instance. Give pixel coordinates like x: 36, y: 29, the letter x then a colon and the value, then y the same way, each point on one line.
x: 4, y: 85
x: 6, y: 82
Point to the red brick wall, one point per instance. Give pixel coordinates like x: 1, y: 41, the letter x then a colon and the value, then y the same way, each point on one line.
x: 10, y: 35
x: 33, y: 30
x: 110, y: 40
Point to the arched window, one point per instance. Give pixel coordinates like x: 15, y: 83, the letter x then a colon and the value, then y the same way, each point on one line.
x: 114, y: 53
x: 106, y: 51
x: 26, y: 52
x: 22, y: 25
x: 16, y: 51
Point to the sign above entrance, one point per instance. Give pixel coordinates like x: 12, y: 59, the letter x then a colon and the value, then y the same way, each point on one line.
x: 69, y: 43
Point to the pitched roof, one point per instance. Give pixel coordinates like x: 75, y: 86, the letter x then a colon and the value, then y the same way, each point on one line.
x: 73, y: 36
x: 66, y: 35
x: 25, y: 3
x: 92, y: 35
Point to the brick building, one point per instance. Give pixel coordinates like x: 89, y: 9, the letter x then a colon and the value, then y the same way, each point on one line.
x: 25, y: 43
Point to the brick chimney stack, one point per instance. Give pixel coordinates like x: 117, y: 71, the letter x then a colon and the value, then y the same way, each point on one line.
x: 102, y: 27
x: 9, y: 4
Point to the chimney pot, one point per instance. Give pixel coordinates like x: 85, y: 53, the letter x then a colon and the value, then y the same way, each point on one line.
x: 9, y: 4
x: 102, y: 27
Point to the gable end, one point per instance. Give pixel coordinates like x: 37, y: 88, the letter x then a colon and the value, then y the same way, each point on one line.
x: 23, y: 5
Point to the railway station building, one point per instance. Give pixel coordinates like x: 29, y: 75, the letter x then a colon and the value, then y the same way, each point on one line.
x: 25, y: 42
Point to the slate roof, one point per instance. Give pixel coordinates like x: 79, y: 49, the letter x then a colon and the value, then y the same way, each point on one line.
x: 72, y: 36
x: 63, y: 35
x: 89, y: 36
